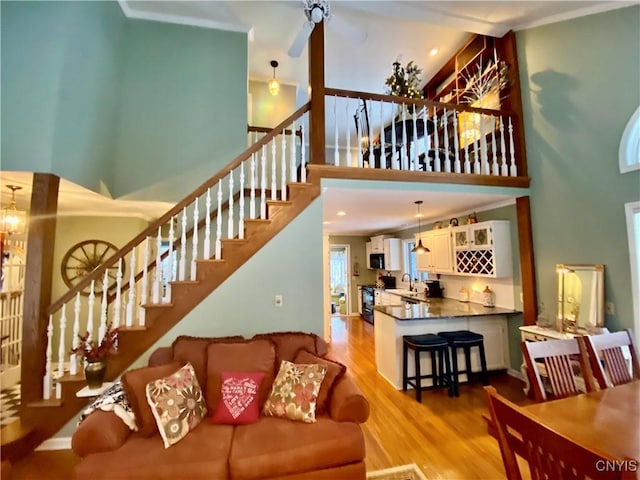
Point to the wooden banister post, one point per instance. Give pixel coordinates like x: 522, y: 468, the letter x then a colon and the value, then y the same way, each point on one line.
x: 38, y: 275
x: 527, y: 261
x: 316, y: 83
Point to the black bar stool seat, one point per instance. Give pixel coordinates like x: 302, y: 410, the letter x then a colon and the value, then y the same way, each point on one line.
x: 466, y: 340
x: 440, y: 366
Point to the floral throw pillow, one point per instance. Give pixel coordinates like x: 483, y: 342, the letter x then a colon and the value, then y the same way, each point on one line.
x: 239, y: 398
x: 295, y: 391
x: 177, y: 404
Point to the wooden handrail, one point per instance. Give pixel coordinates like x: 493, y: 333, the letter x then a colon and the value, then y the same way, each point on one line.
x: 253, y: 128
x: 153, y: 228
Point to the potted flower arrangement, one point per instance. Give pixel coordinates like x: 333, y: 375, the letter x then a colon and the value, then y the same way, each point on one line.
x: 95, y: 354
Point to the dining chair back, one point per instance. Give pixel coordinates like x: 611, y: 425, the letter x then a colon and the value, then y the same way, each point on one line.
x: 607, y: 360
x: 561, y: 362
x: 549, y: 454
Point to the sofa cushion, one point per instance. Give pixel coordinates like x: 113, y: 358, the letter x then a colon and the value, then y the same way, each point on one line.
x: 200, y: 455
x: 288, y: 344
x: 239, y: 401
x: 295, y: 391
x: 335, y: 370
x: 249, y: 356
x: 134, y: 383
x: 273, y: 447
x: 177, y: 404
x: 194, y: 350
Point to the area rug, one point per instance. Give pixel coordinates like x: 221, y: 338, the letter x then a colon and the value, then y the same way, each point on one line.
x: 403, y: 472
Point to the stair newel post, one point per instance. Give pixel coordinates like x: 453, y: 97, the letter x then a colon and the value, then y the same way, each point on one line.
x: 230, y: 229
x: 46, y: 383
x: 426, y: 138
x: 90, y: 303
x: 145, y: 284
x: 194, y: 239
x: 476, y: 158
x: 252, y: 188
x: 456, y: 144
x: 75, y: 342
x: 494, y: 147
x: 514, y: 168
x: 283, y: 167
x: 348, y: 133
x: 336, y: 153
x: 219, y: 223
x: 103, y: 306
x: 263, y: 183
x: 157, y: 280
x: 436, y: 141
x: 504, y: 171
x: 131, y: 298
x: 182, y: 261
x: 303, y: 157
x: 483, y: 146
x: 383, y: 157
x: 292, y: 154
x: 61, y: 349
x: 241, y: 202
x: 274, y: 192
x: 447, y: 160
x: 403, y: 150
x: 414, y: 143
x: 207, y: 225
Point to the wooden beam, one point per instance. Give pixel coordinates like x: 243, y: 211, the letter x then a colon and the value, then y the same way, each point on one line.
x: 316, y: 83
x: 527, y: 260
x: 38, y: 275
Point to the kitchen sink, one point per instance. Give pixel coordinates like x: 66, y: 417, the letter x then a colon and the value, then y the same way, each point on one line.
x: 401, y: 291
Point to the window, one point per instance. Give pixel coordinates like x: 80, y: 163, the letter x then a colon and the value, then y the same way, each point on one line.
x: 632, y: 211
x: 409, y: 260
x: 629, y: 151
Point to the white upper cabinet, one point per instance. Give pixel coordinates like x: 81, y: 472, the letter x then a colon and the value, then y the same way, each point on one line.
x: 483, y: 249
x: 440, y: 257
x: 392, y: 254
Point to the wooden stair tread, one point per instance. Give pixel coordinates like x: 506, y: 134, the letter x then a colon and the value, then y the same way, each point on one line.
x: 13, y: 432
x: 52, y: 402
x: 67, y: 377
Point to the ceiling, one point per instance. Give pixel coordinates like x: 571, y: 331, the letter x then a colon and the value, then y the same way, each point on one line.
x: 409, y: 29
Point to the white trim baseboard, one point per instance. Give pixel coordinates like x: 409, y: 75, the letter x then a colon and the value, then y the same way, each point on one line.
x: 515, y: 373
x: 59, y: 443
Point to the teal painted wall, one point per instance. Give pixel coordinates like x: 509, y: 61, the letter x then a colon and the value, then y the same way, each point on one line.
x: 580, y: 83
x: 60, y: 71
x: 183, y: 110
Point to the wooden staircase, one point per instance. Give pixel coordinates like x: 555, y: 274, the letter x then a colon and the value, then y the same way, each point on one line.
x: 40, y: 420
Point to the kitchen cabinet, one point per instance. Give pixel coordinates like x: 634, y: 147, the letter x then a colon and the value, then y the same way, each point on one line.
x: 367, y: 250
x: 483, y: 249
x: 377, y: 244
x: 359, y: 300
x: 494, y: 330
x: 392, y: 254
x: 440, y: 257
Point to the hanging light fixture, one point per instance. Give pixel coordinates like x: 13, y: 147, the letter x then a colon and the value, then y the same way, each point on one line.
x: 419, y: 248
x: 274, y: 84
x: 12, y: 220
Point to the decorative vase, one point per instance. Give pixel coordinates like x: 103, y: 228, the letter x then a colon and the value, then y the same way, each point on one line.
x: 94, y: 373
x: 488, y: 298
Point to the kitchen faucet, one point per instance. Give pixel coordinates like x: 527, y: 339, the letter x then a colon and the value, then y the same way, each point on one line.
x: 411, y: 285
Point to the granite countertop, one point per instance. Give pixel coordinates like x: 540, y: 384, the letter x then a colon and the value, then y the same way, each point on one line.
x: 440, y: 308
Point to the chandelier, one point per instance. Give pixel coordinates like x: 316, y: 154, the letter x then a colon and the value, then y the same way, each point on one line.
x: 12, y: 220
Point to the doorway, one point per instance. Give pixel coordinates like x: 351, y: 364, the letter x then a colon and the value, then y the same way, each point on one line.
x: 339, y: 279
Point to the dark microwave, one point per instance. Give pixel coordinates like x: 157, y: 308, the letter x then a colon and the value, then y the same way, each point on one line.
x: 376, y: 260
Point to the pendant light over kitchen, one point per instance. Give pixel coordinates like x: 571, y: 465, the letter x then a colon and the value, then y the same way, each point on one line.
x: 274, y: 84
x: 419, y: 248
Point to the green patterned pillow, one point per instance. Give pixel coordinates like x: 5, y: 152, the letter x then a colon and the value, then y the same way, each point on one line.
x: 177, y: 404
x: 295, y: 391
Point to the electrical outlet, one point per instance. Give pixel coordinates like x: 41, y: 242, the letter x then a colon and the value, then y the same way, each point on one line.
x: 609, y: 308
x: 278, y: 301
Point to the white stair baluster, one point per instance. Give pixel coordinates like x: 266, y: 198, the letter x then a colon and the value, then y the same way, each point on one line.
x: 414, y: 142
x: 426, y: 139
x: 103, y: 305
x: 359, y: 146
x: 372, y: 159
x: 436, y: 142
x: 194, y: 241
x: 303, y: 157
x: 207, y: 226
x: 476, y: 158
x: 219, y: 223
x: 495, y: 170
x: 182, y: 261
x: 252, y: 188
x: 504, y: 171
x: 145, y: 284
x: 62, y: 350
x: 292, y: 148
x: 394, y: 161
x: 336, y: 153
x: 447, y: 152
x: 230, y: 215
x: 48, y: 376
x: 456, y: 144
x: 170, y: 273
x: 75, y: 342
x: 404, y: 164
x: 241, y: 204
x: 349, y: 164
x: 467, y: 142
x: 117, y: 304
x: 131, y: 299
x: 283, y: 168
x: 274, y: 183
x: 263, y: 183
x: 157, y: 280
x: 90, y: 303
x: 483, y: 146
x: 514, y: 168
x: 383, y: 157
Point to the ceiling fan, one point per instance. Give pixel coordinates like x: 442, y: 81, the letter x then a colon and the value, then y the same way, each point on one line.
x: 317, y: 11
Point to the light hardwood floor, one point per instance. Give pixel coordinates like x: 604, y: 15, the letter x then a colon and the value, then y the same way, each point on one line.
x: 445, y: 437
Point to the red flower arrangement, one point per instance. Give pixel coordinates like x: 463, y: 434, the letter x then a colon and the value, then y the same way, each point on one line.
x: 91, y: 352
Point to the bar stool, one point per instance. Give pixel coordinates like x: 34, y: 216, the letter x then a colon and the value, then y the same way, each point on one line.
x: 465, y: 339
x: 440, y: 369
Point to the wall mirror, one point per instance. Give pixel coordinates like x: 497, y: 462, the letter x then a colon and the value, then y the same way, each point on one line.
x: 580, y: 297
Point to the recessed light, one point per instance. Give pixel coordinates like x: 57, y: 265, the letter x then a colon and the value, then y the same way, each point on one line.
x: 433, y: 51
x: 341, y: 213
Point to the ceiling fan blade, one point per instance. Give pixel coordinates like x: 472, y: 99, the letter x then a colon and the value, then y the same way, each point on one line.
x: 347, y: 29
x: 301, y: 39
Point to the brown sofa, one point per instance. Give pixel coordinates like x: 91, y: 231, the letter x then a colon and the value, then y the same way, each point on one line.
x: 272, y: 448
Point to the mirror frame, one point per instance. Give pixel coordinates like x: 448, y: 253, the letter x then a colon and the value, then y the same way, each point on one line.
x: 573, y: 325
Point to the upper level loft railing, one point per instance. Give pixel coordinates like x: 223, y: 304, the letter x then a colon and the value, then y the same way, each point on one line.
x: 367, y: 130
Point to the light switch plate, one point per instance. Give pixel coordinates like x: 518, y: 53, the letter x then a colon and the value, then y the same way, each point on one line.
x: 278, y: 301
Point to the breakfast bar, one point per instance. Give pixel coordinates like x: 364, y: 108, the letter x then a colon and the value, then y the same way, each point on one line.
x: 392, y: 322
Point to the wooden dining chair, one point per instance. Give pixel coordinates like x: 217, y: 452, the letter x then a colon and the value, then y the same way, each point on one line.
x: 559, y: 361
x: 607, y: 360
x: 549, y: 454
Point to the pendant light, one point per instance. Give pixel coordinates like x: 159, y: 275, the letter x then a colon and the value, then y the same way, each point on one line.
x: 419, y: 248
x: 274, y: 84
x: 12, y: 220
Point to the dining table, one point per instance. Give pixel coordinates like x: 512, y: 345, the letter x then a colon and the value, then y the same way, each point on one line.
x: 607, y: 420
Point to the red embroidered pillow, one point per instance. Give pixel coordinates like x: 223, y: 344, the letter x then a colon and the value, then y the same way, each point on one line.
x: 238, y: 398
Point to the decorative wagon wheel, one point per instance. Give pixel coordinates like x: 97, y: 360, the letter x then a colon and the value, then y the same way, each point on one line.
x: 83, y: 258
